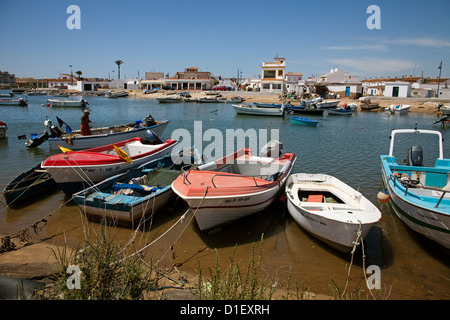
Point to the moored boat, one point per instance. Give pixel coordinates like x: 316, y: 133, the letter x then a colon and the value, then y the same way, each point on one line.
x: 267, y: 105
x: 67, y: 103
x: 304, y: 121
x: 398, y: 109
x: 170, y: 98
x: 419, y: 194
x: 3, y: 129
x: 14, y: 102
x: 330, y: 209
x: 235, y: 186
x: 75, y: 170
x: 253, y: 110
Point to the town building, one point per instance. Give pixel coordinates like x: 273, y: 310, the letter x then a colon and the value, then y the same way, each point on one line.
x: 273, y: 76
x: 189, y: 79
x: 7, y: 79
x: 397, y: 89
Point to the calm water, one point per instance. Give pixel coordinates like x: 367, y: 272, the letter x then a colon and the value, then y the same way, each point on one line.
x: 347, y: 147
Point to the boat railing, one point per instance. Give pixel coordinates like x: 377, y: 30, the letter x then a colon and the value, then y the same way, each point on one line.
x: 240, y: 176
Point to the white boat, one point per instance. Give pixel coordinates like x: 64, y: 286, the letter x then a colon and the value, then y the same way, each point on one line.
x: 207, y: 99
x: 366, y: 104
x: 327, y: 104
x: 170, y: 98
x: 253, y: 110
x: 67, y: 103
x: 77, y: 170
x: 14, y: 102
x: 106, y: 135
x: 118, y: 94
x: 445, y: 109
x: 419, y: 194
x: 233, y: 187
x: 398, y: 109
x: 151, y: 90
x: 330, y: 209
x: 3, y: 129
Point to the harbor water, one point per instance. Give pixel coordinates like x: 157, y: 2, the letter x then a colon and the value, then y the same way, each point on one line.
x: 347, y: 147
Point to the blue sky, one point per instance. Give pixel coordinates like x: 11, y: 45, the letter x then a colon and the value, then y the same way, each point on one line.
x: 224, y: 36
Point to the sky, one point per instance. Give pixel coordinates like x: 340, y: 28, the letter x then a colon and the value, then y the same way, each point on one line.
x: 224, y: 37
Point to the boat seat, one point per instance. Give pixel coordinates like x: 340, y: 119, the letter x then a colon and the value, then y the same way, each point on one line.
x: 315, y: 198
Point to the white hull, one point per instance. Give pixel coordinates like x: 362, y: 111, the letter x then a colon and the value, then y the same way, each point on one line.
x: 67, y: 103
x: 334, y: 223
x: 105, y: 137
x: 399, y: 109
x: 327, y: 104
x: 240, y: 109
x: 3, y: 131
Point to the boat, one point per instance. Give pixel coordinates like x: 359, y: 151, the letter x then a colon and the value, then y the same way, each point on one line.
x: 252, y: 110
x: 154, y: 90
x: 304, y: 110
x: 343, y: 110
x: 207, y: 99
x: 326, y: 104
x: 304, y: 121
x: 231, y: 100
x: 75, y: 170
x: 267, y: 105
x: 107, y: 135
x: 6, y: 95
x: 33, y: 182
x: 67, y: 103
x: 131, y: 196
x: 14, y: 102
x: 398, y: 109
x: 118, y: 94
x: 330, y: 209
x: 3, y: 129
x: 170, y: 98
x: 445, y: 109
x: 419, y: 194
x: 238, y: 185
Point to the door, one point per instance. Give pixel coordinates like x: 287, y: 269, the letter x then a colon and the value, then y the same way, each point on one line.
x: 395, y: 91
x: 347, y: 91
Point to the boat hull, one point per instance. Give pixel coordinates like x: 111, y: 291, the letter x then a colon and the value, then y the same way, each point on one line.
x: 107, y: 136
x: 67, y: 103
x: 305, y: 122
x: 259, y: 111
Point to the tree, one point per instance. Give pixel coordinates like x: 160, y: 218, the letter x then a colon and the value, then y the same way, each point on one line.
x: 79, y: 73
x: 118, y: 62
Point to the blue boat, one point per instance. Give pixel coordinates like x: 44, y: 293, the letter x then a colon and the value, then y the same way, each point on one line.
x: 418, y: 194
x: 304, y: 121
x: 131, y: 196
x: 268, y: 105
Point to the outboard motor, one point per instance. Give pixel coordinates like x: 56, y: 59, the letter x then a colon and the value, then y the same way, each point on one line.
x: 271, y: 149
x: 152, y: 137
x: 149, y: 121
x: 415, y: 156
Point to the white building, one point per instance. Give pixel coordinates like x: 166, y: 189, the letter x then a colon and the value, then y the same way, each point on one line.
x: 273, y: 75
x: 294, y: 83
x: 338, y: 76
x: 354, y: 90
x: 397, y: 89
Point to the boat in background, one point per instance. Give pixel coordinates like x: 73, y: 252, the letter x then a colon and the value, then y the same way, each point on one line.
x: 3, y: 129
x: 330, y: 209
x: 419, y: 194
x: 154, y: 90
x: 75, y: 170
x: 346, y: 109
x: 268, y: 105
x: 235, y: 186
x: 107, y: 135
x: 14, y: 102
x: 445, y: 109
x: 304, y: 121
x: 207, y: 99
x: 398, y: 109
x: 117, y: 94
x: 367, y: 104
x: 28, y: 184
x: 173, y: 98
x: 133, y: 195
x: 67, y: 103
x: 252, y: 110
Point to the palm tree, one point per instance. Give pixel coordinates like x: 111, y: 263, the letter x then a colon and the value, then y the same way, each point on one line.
x: 79, y: 73
x: 118, y: 62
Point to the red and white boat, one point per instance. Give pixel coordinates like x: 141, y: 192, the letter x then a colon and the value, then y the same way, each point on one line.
x: 235, y: 186
x: 76, y: 170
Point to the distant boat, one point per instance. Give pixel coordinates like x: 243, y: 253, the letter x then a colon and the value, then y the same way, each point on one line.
x: 344, y: 110
x: 327, y: 104
x: 445, y: 109
x: 67, y: 103
x: 27, y: 184
x: 118, y: 94
x: 267, y: 105
x: 154, y: 90
x: 398, y: 109
x: 251, y: 110
x: 3, y: 129
x: 13, y: 102
x: 6, y: 95
x: 169, y: 98
x: 231, y: 100
x: 366, y: 104
x: 207, y: 99
x: 304, y: 121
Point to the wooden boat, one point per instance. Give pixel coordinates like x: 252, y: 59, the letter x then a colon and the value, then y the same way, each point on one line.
x: 67, y: 103
x: 107, y: 135
x: 304, y: 121
x: 304, y: 110
x: 118, y: 94
x: 130, y: 196
x: 344, y: 110
x: 154, y: 90
x: 233, y: 187
x: 14, y: 102
x: 3, y: 129
x: 207, y: 99
x: 330, y: 209
x: 33, y: 182
x: 170, y: 98
x: 267, y: 105
x: 398, y: 109
x: 251, y: 110
x: 75, y: 170
x: 231, y: 100
x: 419, y: 194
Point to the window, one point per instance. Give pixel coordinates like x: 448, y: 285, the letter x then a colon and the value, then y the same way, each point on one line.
x: 269, y: 74
x: 280, y: 73
x: 276, y: 86
x: 266, y: 86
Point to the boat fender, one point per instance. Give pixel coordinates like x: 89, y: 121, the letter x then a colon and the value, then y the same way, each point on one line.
x: 383, y: 196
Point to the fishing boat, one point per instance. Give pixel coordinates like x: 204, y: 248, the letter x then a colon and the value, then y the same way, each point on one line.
x: 6, y: 95
x: 14, y: 102
x: 207, y: 99
x: 252, y: 110
x: 267, y: 105
x: 329, y: 209
x: 131, y: 196
x: 231, y: 100
x: 235, y: 186
x: 398, y: 109
x: 343, y: 110
x: 304, y: 121
x: 118, y: 94
x: 326, y: 104
x: 170, y: 98
x: 75, y: 170
x: 33, y: 182
x: 419, y: 194
x: 3, y: 129
x: 107, y: 135
x: 367, y: 104
x: 445, y: 109
x: 67, y: 103
x: 154, y: 90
